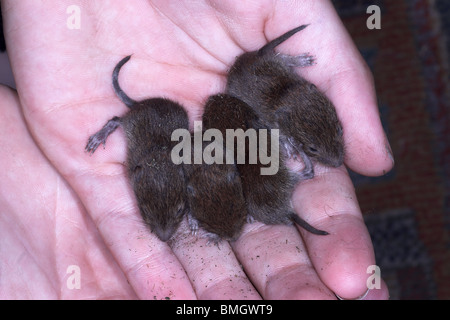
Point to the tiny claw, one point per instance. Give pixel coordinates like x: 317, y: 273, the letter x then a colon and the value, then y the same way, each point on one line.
x: 193, y: 225
x: 306, y: 174
x: 213, y: 239
x: 250, y: 219
x: 91, y: 145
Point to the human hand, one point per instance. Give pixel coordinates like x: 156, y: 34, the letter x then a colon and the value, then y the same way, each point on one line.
x: 44, y: 226
x: 182, y: 51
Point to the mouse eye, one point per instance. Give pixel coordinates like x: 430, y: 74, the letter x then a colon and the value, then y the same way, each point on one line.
x: 180, y: 211
x: 312, y: 150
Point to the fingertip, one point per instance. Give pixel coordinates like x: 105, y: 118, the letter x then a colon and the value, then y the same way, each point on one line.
x: 374, y: 292
x: 367, y: 149
x: 371, y: 159
x: 343, y: 259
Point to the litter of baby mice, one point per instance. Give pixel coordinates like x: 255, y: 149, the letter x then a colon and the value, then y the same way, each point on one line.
x: 263, y: 92
x: 268, y: 196
x: 308, y: 123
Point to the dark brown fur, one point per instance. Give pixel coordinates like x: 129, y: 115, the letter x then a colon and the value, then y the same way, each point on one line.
x: 306, y: 118
x: 216, y: 200
x: 268, y: 197
x: 159, y: 184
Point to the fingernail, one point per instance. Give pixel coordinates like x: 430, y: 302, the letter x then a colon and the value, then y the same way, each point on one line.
x: 361, y: 297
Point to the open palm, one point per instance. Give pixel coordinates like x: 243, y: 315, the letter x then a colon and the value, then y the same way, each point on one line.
x: 182, y: 50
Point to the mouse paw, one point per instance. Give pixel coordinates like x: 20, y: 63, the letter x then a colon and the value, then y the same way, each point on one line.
x: 250, y: 219
x: 308, y: 171
x: 302, y: 60
x: 213, y: 239
x: 93, y: 143
x: 193, y: 225
x: 288, y: 147
x: 100, y: 137
x: 306, y: 174
x: 297, y: 153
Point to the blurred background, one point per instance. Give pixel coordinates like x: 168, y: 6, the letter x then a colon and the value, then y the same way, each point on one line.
x: 408, y: 210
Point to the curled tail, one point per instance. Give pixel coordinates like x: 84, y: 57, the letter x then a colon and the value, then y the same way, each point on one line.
x: 277, y: 41
x: 305, y: 225
x: 115, y: 80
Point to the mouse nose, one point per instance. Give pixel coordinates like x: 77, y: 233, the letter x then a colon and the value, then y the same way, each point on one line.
x: 337, y: 162
x: 164, y: 234
x: 332, y: 162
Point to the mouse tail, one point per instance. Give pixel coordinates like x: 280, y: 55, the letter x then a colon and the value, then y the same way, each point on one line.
x: 115, y: 80
x: 305, y: 225
x: 277, y: 41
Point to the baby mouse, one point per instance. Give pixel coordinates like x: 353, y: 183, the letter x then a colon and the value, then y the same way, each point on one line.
x: 307, y: 119
x: 268, y: 197
x: 216, y: 199
x: 159, y: 184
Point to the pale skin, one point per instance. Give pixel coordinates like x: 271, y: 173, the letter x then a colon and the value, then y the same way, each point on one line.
x: 62, y: 207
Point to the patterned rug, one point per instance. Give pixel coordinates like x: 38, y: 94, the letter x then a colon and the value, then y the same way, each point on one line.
x: 408, y: 210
